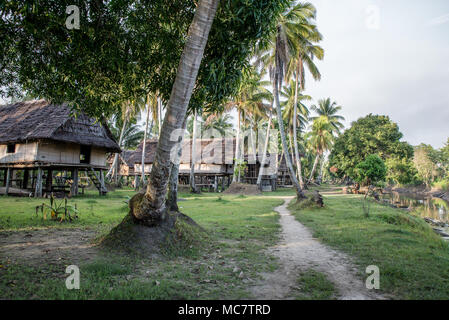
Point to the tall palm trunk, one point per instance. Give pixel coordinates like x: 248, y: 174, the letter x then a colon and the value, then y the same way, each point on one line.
x: 159, y: 115
x: 295, y: 134
x: 193, y: 188
x: 152, y: 209
x: 142, y: 180
x: 235, y: 178
x: 314, y: 168
x: 113, y: 170
x: 288, y: 160
x: 265, y: 149
x: 172, y: 199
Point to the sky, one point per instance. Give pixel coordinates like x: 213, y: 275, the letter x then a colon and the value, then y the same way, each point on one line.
x: 387, y: 57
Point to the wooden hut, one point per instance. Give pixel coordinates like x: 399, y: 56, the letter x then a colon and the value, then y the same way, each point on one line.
x: 214, y: 161
x: 42, y: 143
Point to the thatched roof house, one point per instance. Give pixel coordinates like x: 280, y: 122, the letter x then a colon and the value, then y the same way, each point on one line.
x: 39, y: 135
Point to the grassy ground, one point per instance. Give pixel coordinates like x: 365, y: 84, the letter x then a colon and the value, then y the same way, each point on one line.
x: 413, y: 260
x: 239, y: 228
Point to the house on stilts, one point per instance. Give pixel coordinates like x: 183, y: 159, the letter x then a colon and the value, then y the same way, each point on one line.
x: 45, y: 149
x: 214, y: 164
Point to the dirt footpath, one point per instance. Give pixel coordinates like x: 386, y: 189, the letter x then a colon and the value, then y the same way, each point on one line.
x: 299, y: 251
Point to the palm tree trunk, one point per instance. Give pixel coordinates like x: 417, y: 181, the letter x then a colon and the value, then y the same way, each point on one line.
x: 314, y: 168
x: 172, y: 199
x: 113, y: 169
x: 288, y: 160
x: 295, y: 134
x: 193, y: 188
x: 152, y: 209
x: 264, y: 156
x: 237, y: 146
x: 159, y: 115
x: 142, y: 180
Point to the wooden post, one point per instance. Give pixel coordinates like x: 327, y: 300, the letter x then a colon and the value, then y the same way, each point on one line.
x: 75, y: 178
x: 216, y: 184
x: 8, y: 178
x: 103, y: 187
x: 26, y: 177
x: 38, y: 189
x: 49, y: 181
x: 4, y: 177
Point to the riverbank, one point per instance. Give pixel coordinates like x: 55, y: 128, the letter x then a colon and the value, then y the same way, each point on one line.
x: 421, y: 191
x: 412, y: 259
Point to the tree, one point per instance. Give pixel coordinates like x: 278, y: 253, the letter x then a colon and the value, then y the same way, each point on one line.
x: 401, y: 171
x: 293, y: 23
x: 193, y: 188
x: 297, y: 115
x: 329, y: 109
x: 370, y: 171
x: 129, y: 50
x: 425, y: 162
x: 321, y: 140
x: 373, y: 134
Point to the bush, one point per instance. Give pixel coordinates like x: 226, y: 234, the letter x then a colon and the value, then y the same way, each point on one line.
x: 371, y: 171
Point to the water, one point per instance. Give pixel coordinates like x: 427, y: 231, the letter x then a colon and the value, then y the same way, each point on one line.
x: 426, y: 207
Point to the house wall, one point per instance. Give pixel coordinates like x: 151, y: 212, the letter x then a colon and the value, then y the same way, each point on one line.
x: 138, y: 168
x: 51, y: 152
x: 26, y: 152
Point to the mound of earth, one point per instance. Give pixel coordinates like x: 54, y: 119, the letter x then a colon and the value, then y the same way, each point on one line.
x: 243, y: 189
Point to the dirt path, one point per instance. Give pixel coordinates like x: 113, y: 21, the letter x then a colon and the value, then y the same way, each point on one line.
x: 299, y: 251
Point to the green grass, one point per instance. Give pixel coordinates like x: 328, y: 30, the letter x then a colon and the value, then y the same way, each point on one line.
x: 314, y: 285
x: 413, y: 260
x: 238, y: 230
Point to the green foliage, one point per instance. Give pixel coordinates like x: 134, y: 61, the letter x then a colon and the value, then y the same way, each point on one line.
x: 58, y: 211
x: 240, y: 166
x: 401, y: 171
x: 371, y: 171
x: 425, y: 161
x: 125, y: 49
x: 372, y: 134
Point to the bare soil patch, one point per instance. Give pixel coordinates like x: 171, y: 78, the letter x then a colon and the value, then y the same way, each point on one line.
x: 48, y: 246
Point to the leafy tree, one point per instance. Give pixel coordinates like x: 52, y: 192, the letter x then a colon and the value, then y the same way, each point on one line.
x: 321, y: 140
x: 373, y: 134
x: 425, y: 162
x: 401, y: 171
x: 371, y: 171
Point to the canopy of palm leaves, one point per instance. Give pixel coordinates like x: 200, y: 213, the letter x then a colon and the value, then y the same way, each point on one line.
x: 132, y: 135
x: 320, y: 137
x: 288, y: 105
x: 329, y: 109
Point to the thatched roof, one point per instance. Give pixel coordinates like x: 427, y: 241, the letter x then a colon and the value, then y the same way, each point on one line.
x: 150, y: 152
x: 208, y: 151
x: 38, y: 119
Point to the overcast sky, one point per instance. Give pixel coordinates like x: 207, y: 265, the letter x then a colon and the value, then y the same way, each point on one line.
x: 388, y: 57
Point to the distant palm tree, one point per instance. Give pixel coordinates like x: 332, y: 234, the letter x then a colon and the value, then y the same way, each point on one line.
x: 329, y: 109
x: 321, y: 139
x: 291, y: 26
x: 220, y: 122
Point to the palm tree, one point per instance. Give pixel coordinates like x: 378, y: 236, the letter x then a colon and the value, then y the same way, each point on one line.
x: 329, y: 109
x: 151, y: 210
x: 292, y: 25
x: 221, y: 122
x: 292, y: 105
x: 321, y: 139
x: 193, y: 188
x: 248, y: 102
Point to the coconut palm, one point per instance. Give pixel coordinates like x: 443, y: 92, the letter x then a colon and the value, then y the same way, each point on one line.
x: 152, y: 208
x: 329, y: 109
x: 294, y: 108
x: 249, y: 103
x: 321, y: 139
x: 221, y: 122
x: 293, y: 24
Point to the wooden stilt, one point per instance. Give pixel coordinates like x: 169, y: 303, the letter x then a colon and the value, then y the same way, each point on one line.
x: 216, y: 184
x: 49, y: 181
x: 8, y: 178
x: 26, y: 177
x: 38, y: 189
x: 75, y: 178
